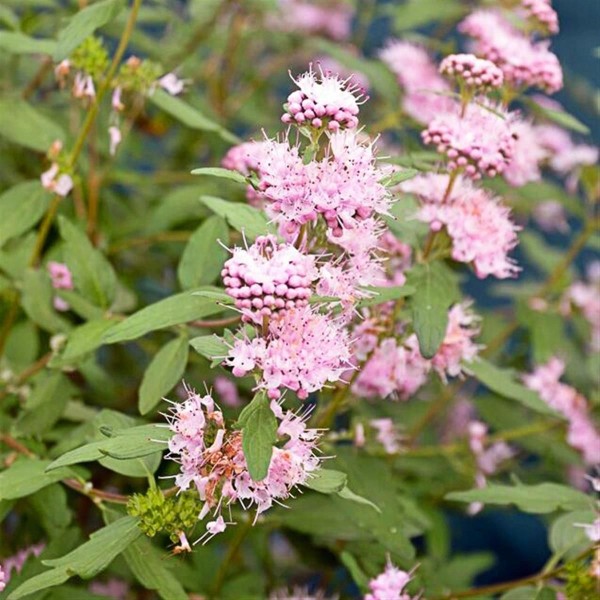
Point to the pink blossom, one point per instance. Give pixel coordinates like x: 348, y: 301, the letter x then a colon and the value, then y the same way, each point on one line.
x: 472, y: 72
x: 332, y: 19
x: 303, y: 351
x: 299, y: 593
x: 17, y: 561
x: 426, y: 92
x: 115, y: 139
x: 227, y: 391
x: 212, y: 460
x: 458, y: 346
x: 268, y: 277
x: 387, y: 434
x: 83, y: 86
x: 479, y: 225
x: 480, y: 141
x: 244, y: 159
x: 172, y: 84
x: 56, y: 182
x: 389, y: 585
x: 113, y: 588
x: 330, y: 66
x: 3, y: 579
x: 541, y: 14
x: 116, y: 103
x: 62, y: 279
x: 550, y: 215
x: 323, y: 100
x: 527, y: 155
x: 585, y: 296
x: 523, y: 62
x: 488, y: 456
x: 581, y: 433
x: 592, y: 531
x: 61, y: 71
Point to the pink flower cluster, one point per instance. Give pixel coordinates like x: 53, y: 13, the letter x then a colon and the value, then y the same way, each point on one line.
x: 17, y: 561
x: 62, y: 279
x: 394, y: 368
x: 541, y: 13
x: 585, y: 296
x: 480, y: 141
x: 387, y: 434
x: 389, y: 585
x: 528, y: 153
x: 54, y: 179
x: 524, y: 63
x: 302, y: 351
x: 472, y: 72
x: 582, y: 434
x: 324, y: 101
x: 479, y: 225
x: 343, y: 188
x: 212, y: 460
x: 425, y: 91
x: 268, y: 277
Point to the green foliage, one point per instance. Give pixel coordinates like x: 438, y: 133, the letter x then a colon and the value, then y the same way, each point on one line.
x: 581, y: 584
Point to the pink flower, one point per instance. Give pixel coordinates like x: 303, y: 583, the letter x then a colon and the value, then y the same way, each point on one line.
x: 550, y: 216
x: 581, y: 433
x: 480, y: 141
x: 523, y: 62
x: 299, y: 593
x: 417, y: 73
x: 227, y: 390
x: 115, y: 139
x: 389, y: 585
x: 56, y: 182
x: 585, y: 296
x: 211, y: 458
x: 17, y: 561
x: 458, y: 346
x: 3, y: 579
x: 303, y: 351
x: 116, y: 103
x: 472, y: 72
x: 172, y: 84
x: 527, y: 155
x: 387, y: 434
x: 324, y: 100
x: 592, y: 531
x: 61, y: 72
x: 83, y: 86
x: 479, y: 225
x: 113, y: 588
x: 330, y: 66
x: 62, y: 279
x: 268, y: 277
x: 541, y: 14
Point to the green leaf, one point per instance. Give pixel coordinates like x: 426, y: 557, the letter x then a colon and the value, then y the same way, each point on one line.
x: 221, y: 173
x: 403, y: 222
x: 28, y: 475
x: 188, y: 115
x: 385, y: 294
x: 21, y: 207
x: 526, y: 592
x: 22, y: 124
x: 327, y: 481
x: 502, y: 382
x: 398, y: 177
x: 212, y: 347
x: 83, y: 23
x: 150, y: 568
x: 560, y: 117
x: 81, y: 341
x: 358, y: 575
x: 435, y: 292
x: 15, y: 42
x: 180, y: 308
x: 93, y: 275
x: 124, y: 444
x: 347, y: 494
x: 259, y: 433
x: 567, y: 535
x: 86, y: 561
x: 37, y: 301
x: 538, y: 499
x: 247, y: 219
x: 203, y: 257
x: 50, y: 505
x: 416, y: 13
x: 546, y: 331
x: 163, y: 373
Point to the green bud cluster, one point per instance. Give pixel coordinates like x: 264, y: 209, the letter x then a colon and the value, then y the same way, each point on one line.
x: 139, y: 76
x: 91, y: 57
x: 581, y: 584
x: 160, y: 514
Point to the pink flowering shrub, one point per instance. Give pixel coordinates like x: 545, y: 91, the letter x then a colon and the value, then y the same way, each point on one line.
x: 291, y: 293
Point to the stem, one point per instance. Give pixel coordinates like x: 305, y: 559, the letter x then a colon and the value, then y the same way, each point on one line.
x: 36, y: 367
x: 433, y: 234
x: 38, y: 78
x: 165, y: 236
x: 94, y: 494
x: 215, y: 322
x: 11, y: 315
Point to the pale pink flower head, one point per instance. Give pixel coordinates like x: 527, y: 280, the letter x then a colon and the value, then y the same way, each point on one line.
x: 17, y: 561
x: 477, y: 74
x: 115, y: 139
x: 585, y: 296
x: 116, y: 103
x: 331, y: 18
x: 83, y: 86
x: 458, y: 347
x: 112, y: 588
x: 172, y: 84
x: 550, y: 216
x: 479, y: 226
x: 3, y: 579
x: 389, y: 585
x: 268, y: 277
x: 244, y: 158
x: 55, y: 181
x: 60, y: 275
x: 330, y: 65
x: 303, y: 351
x: 227, y: 391
x: 323, y: 100
x: 523, y: 62
x: 592, y: 530
x: 527, y: 155
x: 387, y: 434
x: 425, y: 90
x: 480, y: 141
x: 541, y: 15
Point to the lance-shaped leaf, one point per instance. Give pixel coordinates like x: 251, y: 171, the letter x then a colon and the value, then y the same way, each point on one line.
x: 28, y: 475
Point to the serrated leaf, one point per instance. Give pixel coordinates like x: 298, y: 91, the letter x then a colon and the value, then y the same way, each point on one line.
x: 125, y: 444
x: 203, y: 256
x: 93, y: 275
x: 221, y: 174
x: 180, y: 308
x: 22, y: 124
x: 327, y: 481
x: 538, y: 499
x: 28, y: 475
x: 212, y: 347
x: 247, y: 219
x: 259, y: 433
x: 83, y: 23
x: 435, y: 292
x: 87, y: 560
x: 503, y: 383
x: 21, y: 207
x: 163, y: 373
x: 189, y: 115
x: 15, y: 42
